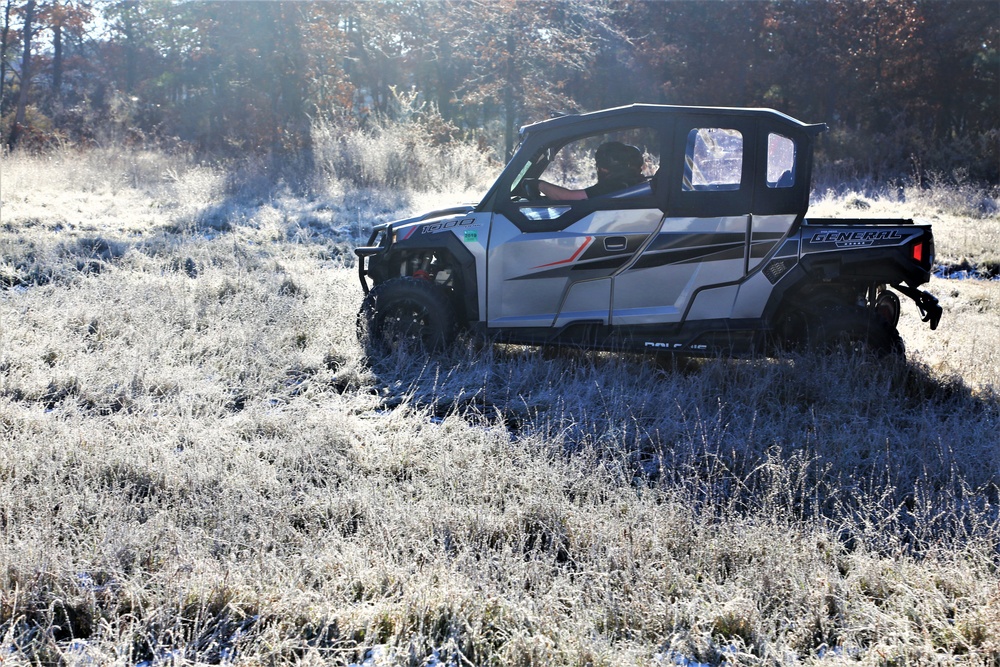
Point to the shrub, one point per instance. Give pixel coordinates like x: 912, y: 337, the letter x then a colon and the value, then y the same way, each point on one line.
x: 418, y: 152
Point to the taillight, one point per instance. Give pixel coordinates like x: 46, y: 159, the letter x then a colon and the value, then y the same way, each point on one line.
x: 922, y: 252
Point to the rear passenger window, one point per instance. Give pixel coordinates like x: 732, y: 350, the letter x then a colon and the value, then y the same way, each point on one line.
x: 780, y: 161
x: 713, y: 160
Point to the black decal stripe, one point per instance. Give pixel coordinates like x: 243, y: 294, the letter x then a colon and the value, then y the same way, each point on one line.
x: 598, y: 269
x: 721, y: 255
x: 768, y: 236
x: 789, y: 249
x: 666, y: 249
x: 761, y: 248
x: 676, y: 240
x: 711, y: 253
x: 607, y: 264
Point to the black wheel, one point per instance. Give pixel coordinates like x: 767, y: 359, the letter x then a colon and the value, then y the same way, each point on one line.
x: 406, y: 314
x: 853, y: 330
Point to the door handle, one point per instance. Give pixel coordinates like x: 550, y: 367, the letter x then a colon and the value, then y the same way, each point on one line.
x: 615, y: 243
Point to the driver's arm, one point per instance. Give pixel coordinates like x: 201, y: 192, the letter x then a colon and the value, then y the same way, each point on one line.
x: 559, y: 193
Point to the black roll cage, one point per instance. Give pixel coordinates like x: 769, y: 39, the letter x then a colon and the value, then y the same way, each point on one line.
x: 673, y: 124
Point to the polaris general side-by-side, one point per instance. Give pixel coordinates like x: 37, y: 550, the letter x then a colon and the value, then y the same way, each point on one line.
x: 702, y: 246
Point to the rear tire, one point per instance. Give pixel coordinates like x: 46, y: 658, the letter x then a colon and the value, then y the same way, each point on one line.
x: 853, y: 330
x: 406, y: 314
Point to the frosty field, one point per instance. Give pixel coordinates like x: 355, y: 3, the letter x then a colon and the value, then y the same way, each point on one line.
x: 198, y: 466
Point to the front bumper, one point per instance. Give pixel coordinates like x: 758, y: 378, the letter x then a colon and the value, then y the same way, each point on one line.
x: 376, y: 246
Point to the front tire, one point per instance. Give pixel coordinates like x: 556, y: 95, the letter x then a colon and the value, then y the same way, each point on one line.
x: 406, y: 314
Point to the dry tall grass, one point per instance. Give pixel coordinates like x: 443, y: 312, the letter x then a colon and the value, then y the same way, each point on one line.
x: 198, y: 466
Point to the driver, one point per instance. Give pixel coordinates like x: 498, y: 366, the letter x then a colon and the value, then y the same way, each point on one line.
x: 619, y: 166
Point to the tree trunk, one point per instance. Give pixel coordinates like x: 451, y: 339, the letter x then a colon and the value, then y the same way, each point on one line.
x: 3, y: 52
x: 57, y: 63
x: 22, y: 99
x: 509, y: 103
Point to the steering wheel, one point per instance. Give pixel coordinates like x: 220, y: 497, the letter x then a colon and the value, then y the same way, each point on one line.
x: 529, y: 189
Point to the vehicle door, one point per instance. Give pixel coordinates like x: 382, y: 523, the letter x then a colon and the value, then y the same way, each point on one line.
x: 700, y: 251
x: 551, y: 262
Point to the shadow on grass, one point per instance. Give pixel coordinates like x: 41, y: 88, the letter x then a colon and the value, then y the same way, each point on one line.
x: 890, y: 450
x: 28, y: 262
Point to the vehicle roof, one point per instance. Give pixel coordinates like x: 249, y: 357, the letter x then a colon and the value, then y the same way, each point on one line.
x: 668, y: 110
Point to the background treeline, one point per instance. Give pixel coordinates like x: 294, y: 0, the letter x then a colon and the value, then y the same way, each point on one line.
x: 909, y: 87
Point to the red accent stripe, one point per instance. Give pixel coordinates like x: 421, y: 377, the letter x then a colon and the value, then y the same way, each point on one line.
x: 571, y: 259
x: 410, y: 233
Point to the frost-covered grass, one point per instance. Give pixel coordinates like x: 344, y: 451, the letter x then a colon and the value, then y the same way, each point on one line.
x: 198, y: 466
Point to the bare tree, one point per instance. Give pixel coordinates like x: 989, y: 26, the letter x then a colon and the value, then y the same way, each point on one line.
x: 22, y: 99
x: 523, y: 53
x: 4, y: 36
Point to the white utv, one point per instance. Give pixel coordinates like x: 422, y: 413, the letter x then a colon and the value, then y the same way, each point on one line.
x: 709, y: 251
